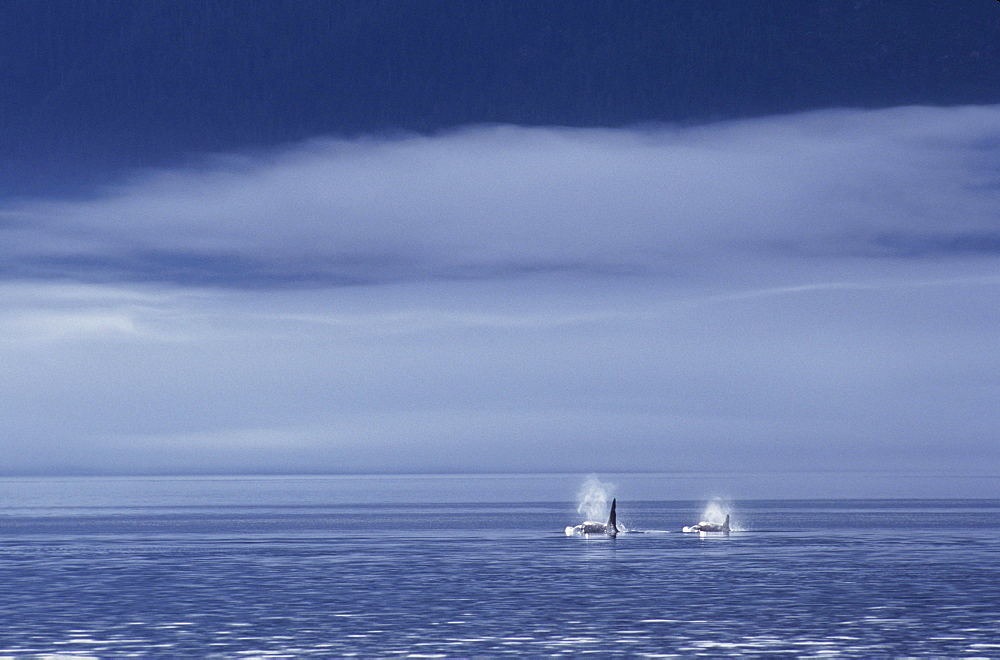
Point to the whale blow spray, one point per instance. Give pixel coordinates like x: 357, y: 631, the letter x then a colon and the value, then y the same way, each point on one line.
x: 593, y: 498
x: 716, y: 511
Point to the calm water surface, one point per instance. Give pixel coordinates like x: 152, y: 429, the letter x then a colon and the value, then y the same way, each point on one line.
x: 384, y: 566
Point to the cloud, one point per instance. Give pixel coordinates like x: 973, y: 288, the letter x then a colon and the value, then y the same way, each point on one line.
x: 496, y: 200
x: 536, y: 374
x: 802, y: 293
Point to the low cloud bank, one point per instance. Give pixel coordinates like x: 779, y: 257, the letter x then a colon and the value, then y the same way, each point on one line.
x: 496, y: 200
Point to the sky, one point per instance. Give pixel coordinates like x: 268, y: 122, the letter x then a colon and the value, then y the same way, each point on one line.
x: 761, y: 290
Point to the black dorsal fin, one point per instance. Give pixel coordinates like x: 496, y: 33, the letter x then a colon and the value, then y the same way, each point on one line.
x: 613, y: 519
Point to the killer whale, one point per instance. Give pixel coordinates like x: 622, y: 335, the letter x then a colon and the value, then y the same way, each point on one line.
x: 590, y: 527
x: 704, y: 526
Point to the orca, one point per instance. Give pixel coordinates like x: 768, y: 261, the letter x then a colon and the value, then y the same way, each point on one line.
x: 590, y: 527
x: 704, y: 526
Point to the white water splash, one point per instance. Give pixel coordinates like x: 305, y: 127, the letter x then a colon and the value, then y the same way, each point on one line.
x: 594, y: 499
x: 716, y: 511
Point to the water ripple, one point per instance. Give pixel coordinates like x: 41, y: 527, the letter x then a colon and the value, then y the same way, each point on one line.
x: 469, y: 590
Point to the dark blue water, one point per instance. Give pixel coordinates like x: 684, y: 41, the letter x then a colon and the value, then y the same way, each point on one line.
x: 321, y: 566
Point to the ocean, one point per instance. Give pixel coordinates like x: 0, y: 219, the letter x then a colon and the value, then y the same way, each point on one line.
x: 459, y: 566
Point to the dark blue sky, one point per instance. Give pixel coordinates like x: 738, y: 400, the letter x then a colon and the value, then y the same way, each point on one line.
x: 268, y: 237
x: 91, y: 90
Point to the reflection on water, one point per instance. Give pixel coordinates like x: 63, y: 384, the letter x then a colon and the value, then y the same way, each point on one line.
x: 263, y: 578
